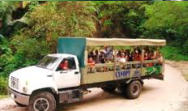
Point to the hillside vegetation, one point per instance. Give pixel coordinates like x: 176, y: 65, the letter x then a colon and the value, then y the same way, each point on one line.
x: 29, y: 30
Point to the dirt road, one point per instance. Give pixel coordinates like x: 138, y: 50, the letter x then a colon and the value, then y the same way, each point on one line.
x: 167, y: 95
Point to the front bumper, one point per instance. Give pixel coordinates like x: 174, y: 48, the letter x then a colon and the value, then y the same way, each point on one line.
x: 19, y: 97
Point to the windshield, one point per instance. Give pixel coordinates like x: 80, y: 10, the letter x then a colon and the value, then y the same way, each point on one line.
x: 48, y: 62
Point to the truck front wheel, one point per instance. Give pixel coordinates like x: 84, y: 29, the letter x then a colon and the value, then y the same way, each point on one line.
x: 42, y: 101
x: 132, y: 90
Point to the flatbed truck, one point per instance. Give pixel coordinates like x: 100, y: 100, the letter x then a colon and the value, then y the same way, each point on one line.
x: 43, y: 86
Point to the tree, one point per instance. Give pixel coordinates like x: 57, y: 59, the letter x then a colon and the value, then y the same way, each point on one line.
x: 120, y: 19
x: 168, y: 20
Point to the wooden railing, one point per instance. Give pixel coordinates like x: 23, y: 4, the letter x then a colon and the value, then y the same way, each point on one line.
x: 119, y: 66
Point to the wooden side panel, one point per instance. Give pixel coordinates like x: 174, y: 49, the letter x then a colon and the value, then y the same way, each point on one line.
x: 118, y: 74
x: 88, y: 78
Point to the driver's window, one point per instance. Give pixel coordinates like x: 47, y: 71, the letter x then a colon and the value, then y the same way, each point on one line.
x: 67, y: 64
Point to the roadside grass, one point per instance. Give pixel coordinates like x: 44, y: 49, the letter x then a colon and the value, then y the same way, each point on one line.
x: 185, y: 75
x: 3, y: 96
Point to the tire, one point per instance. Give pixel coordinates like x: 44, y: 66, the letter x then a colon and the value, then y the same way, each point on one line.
x: 132, y: 90
x: 109, y: 88
x: 42, y: 101
x: 19, y: 104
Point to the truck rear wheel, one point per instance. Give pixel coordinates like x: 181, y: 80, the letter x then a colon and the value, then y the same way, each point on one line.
x: 132, y: 90
x: 42, y: 101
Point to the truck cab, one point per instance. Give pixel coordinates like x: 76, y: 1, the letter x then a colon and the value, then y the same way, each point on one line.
x: 66, y: 71
x: 54, y: 72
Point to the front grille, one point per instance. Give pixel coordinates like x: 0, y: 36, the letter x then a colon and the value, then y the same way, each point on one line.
x: 14, y: 82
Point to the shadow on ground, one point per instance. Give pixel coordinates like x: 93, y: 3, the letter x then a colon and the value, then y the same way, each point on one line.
x: 99, y: 97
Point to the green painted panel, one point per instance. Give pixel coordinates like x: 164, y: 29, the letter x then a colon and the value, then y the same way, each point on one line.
x: 155, y: 70
x: 74, y: 46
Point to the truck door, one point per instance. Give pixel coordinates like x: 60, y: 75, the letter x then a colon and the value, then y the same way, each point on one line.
x: 67, y: 74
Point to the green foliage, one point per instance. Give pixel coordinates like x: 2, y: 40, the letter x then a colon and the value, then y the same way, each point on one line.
x: 65, y: 19
x: 121, y: 19
x: 29, y: 47
x: 168, y: 20
x: 5, y: 57
x: 6, y: 9
x: 170, y: 14
x: 173, y: 53
x: 46, y: 23
x: 54, y: 19
x: 3, y: 86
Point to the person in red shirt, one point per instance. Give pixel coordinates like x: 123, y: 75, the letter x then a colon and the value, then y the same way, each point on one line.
x: 137, y: 55
x: 64, y: 65
x: 91, y: 64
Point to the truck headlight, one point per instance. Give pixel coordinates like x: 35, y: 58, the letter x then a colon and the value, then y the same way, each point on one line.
x: 24, y: 89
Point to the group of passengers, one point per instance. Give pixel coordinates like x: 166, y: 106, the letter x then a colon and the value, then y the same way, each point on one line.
x: 108, y: 55
x: 101, y: 56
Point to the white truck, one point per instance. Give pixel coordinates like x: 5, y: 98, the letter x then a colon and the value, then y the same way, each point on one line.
x: 43, y: 86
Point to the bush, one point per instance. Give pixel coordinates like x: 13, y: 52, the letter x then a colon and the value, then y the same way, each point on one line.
x: 173, y: 53
x: 29, y: 48
x: 17, y: 54
x: 66, y: 19
x: 3, y: 86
